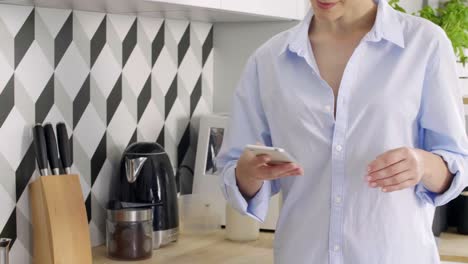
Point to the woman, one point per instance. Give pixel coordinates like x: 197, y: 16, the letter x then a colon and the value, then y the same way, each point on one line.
x: 367, y: 101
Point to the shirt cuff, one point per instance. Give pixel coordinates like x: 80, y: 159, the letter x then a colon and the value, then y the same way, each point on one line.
x: 456, y: 166
x: 257, y: 207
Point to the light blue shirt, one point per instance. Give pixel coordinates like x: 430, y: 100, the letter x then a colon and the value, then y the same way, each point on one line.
x: 400, y: 88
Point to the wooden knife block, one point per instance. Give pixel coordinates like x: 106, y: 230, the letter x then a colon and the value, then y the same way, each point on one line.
x: 60, y: 224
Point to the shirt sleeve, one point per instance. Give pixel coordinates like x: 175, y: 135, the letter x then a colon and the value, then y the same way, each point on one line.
x: 442, y: 122
x: 247, y: 125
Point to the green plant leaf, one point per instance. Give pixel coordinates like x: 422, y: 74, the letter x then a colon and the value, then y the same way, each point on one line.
x: 452, y: 17
x: 395, y: 4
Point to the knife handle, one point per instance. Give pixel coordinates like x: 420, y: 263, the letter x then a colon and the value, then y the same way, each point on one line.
x: 40, y: 149
x: 52, y: 152
x: 64, y: 146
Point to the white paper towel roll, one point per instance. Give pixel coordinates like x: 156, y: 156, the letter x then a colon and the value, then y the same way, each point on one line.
x: 240, y: 227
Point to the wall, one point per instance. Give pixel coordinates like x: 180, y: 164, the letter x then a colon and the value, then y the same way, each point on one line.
x: 112, y: 79
x: 412, y: 6
x: 231, y: 55
x: 232, y: 51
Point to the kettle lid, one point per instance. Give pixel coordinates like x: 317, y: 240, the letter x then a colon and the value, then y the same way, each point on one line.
x: 145, y: 149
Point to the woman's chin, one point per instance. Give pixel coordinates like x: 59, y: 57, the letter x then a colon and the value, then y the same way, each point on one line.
x: 327, y: 15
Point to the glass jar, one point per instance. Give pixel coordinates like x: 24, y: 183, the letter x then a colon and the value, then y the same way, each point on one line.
x: 129, y: 234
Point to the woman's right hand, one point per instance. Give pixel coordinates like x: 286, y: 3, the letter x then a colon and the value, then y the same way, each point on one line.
x: 252, y: 171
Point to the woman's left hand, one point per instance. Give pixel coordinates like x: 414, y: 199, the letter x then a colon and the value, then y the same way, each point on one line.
x: 396, y: 169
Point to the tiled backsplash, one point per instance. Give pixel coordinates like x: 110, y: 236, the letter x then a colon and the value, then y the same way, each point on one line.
x: 113, y: 79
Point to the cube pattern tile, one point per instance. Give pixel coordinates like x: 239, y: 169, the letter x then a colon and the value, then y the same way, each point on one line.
x: 113, y: 80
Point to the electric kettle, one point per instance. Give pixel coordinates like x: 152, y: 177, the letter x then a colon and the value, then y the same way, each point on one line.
x: 147, y: 177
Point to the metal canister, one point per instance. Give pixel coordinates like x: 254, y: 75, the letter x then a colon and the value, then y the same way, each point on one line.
x: 4, y: 250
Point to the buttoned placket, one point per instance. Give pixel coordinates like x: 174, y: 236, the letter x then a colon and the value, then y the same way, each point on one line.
x: 337, y: 195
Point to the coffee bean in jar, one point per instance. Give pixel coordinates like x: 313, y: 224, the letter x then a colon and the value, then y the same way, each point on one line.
x: 129, y: 233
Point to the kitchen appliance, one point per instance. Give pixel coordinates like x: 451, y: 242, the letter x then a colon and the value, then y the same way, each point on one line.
x: 146, y: 176
x: 439, y: 222
x: 206, y: 177
x: 115, y: 205
x: 462, y: 227
x: 129, y: 233
x: 4, y: 250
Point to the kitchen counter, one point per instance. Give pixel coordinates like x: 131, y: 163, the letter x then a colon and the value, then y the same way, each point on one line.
x: 213, y: 248
x: 453, y: 247
x: 205, y: 249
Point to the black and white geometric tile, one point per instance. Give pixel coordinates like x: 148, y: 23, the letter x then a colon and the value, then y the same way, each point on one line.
x: 113, y: 80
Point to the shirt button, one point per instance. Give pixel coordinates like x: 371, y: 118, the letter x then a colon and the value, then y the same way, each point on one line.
x: 339, y: 148
x: 328, y: 108
x: 338, y: 199
x: 336, y: 248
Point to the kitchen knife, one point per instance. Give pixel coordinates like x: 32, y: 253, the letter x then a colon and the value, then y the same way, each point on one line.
x: 52, y: 152
x: 40, y: 149
x: 64, y: 147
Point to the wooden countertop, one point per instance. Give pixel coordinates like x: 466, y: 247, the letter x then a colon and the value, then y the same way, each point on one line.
x: 204, y: 249
x: 213, y: 249
x: 453, y: 247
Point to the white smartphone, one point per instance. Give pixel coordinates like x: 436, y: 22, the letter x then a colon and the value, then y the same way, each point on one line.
x: 278, y: 155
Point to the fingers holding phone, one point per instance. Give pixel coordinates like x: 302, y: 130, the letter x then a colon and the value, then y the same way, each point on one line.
x: 259, y: 163
x: 271, y: 162
x: 271, y: 171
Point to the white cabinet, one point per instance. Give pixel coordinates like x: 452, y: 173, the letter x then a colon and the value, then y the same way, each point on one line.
x: 195, y: 10
x: 286, y: 9
x: 197, y: 3
x: 274, y: 8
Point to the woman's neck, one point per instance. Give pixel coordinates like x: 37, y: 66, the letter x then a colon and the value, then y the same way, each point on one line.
x: 358, y: 18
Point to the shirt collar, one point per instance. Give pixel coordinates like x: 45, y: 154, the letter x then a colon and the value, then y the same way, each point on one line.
x: 387, y: 26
